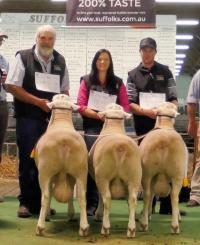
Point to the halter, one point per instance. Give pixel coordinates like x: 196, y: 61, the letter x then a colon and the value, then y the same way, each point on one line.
x: 163, y: 115
x: 115, y: 118
x: 61, y: 108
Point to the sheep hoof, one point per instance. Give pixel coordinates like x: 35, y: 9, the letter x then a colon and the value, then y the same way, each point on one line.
x: 175, y: 230
x: 47, y: 219
x: 71, y: 217
x: 105, y: 231
x: 143, y: 227
x: 130, y: 233
x: 39, y: 231
x: 83, y: 232
x: 98, y: 217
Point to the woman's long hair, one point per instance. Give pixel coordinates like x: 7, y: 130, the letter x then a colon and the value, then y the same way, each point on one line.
x: 110, y: 77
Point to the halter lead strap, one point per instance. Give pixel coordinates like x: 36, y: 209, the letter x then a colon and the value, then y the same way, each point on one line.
x: 116, y: 118
x: 163, y: 115
x: 61, y: 108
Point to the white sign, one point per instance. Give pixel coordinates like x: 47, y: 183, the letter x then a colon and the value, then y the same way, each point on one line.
x: 151, y: 100
x: 79, y: 45
x: 99, y: 100
x: 47, y: 82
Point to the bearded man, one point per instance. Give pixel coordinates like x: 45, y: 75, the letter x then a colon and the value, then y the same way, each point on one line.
x: 37, y: 75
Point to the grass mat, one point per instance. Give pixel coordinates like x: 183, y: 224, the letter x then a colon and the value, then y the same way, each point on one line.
x: 15, y: 231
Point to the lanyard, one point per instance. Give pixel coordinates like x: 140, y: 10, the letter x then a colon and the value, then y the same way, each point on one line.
x: 44, y: 67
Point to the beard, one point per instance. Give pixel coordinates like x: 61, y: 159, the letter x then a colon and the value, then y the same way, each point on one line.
x: 45, y: 51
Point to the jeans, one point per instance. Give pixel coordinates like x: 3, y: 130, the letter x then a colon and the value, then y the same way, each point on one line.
x: 3, y: 122
x: 92, y: 196
x: 28, y: 131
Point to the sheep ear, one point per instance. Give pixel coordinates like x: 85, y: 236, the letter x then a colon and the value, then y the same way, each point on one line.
x: 177, y: 113
x: 127, y: 115
x: 75, y: 107
x: 50, y: 105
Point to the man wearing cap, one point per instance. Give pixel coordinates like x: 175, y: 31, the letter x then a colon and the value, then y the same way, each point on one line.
x: 148, y: 78
x: 3, y: 103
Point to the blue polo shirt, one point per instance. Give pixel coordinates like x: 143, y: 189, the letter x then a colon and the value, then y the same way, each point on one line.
x: 194, y: 89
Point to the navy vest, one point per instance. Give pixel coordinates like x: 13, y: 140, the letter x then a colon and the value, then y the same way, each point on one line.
x: 32, y: 65
x: 89, y: 123
x: 146, y: 81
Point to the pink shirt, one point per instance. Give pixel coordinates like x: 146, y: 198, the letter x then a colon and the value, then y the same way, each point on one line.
x: 82, y: 99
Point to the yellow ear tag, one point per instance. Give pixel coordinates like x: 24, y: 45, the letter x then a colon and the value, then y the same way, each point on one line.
x: 33, y: 153
x: 185, y: 182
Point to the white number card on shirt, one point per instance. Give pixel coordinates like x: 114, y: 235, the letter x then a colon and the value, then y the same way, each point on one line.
x: 99, y: 100
x: 151, y: 100
x: 47, y: 82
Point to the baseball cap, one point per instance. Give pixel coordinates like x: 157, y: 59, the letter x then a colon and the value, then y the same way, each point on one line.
x: 148, y: 42
x: 3, y: 35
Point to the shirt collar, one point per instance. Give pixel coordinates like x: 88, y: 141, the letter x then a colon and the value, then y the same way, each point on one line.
x: 143, y: 68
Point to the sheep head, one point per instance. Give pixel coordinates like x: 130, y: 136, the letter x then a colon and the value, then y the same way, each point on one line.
x: 62, y: 101
x: 114, y: 111
x: 168, y: 109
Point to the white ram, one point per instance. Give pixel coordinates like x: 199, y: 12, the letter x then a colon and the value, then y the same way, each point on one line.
x: 164, y: 161
x: 115, y: 163
x: 61, y: 159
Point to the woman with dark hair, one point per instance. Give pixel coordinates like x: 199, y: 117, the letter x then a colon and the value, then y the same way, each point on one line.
x: 97, y: 89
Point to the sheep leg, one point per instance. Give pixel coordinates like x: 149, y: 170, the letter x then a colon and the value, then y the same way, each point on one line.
x: 132, y: 201
x: 71, y: 210
x: 45, y: 203
x: 48, y: 213
x: 151, y: 202
x: 103, y: 186
x: 175, y: 209
x: 81, y: 196
x: 147, y: 196
x: 99, y: 211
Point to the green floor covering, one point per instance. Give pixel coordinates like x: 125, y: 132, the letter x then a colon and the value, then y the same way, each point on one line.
x: 15, y: 231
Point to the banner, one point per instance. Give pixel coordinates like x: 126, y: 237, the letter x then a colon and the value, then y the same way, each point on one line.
x: 134, y: 13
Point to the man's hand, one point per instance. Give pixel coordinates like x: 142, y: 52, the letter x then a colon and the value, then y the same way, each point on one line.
x: 192, y: 128
x: 152, y: 113
x: 42, y: 103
